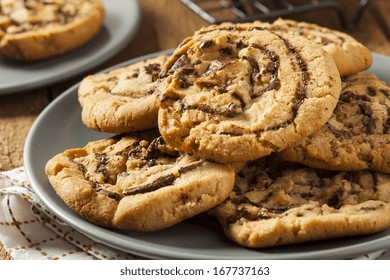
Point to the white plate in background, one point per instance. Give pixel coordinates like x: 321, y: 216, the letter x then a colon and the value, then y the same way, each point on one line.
x: 121, y: 22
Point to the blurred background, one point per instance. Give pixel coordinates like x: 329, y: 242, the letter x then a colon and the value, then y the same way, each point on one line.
x: 366, y: 20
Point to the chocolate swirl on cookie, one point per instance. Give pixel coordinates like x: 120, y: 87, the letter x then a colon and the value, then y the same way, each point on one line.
x: 137, y: 182
x: 276, y: 202
x: 162, y: 181
x: 126, y: 95
x: 246, y: 82
x: 350, y: 55
x: 356, y: 136
x: 102, y: 169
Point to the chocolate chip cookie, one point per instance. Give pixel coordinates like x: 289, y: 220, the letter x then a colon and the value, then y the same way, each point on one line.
x: 275, y: 203
x: 122, y: 100
x: 236, y: 92
x: 40, y: 29
x: 137, y: 182
x: 350, y: 55
x: 357, y: 135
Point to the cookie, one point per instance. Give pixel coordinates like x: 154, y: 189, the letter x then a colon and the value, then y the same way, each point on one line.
x: 357, y: 135
x: 122, y: 100
x: 276, y: 203
x: 350, y: 55
x: 137, y: 182
x: 40, y: 29
x: 236, y: 92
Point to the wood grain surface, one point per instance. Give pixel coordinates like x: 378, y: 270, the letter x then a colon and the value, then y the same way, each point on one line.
x: 165, y: 23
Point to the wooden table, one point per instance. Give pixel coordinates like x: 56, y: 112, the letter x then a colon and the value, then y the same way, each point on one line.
x: 164, y: 24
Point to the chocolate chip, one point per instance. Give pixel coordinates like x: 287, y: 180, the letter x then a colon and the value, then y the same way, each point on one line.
x: 240, y: 45
x: 346, y: 96
x: 385, y: 92
x: 349, y: 96
x: 226, y: 51
x: 271, y: 67
x: 99, y: 189
x: 336, y: 200
x: 182, y: 62
x: 82, y: 168
x: 371, y: 91
x: 152, y: 68
x: 339, y: 133
x: 306, y: 195
x: 206, y: 44
x: 276, y: 84
x: 367, y: 120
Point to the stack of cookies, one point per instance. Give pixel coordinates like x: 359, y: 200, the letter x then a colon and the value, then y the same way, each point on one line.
x: 272, y: 128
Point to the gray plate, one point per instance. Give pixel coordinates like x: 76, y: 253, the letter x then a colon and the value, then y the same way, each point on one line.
x: 120, y: 25
x: 59, y: 127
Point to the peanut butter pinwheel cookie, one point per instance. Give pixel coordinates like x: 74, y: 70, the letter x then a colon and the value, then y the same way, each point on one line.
x: 40, y: 29
x: 239, y: 92
x: 350, y: 55
x: 357, y: 135
x: 276, y: 203
x: 137, y: 182
x: 122, y: 100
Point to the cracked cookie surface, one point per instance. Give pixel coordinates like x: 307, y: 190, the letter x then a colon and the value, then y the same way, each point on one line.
x: 137, y: 182
x: 39, y: 29
x: 357, y: 135
x: 276, y: 203
x: 236, y: 92
x: 122, y: 100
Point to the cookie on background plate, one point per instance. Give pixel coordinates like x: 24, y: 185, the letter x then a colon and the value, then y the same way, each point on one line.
x: 357, y: 135
x: 350, y: 55
x: 137, y: 182
x: 36, y: 29
x: 277, y: 203
x: 122, y: 100
x: 236, y: 92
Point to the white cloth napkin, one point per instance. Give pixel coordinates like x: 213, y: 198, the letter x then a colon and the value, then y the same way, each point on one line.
x: 31, y: 232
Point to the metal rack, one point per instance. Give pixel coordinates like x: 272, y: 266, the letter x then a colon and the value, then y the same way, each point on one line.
x: 217, y: 11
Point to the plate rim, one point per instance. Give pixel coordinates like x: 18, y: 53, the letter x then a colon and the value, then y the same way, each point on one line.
x: 111, y: 237
x: 89, y: 63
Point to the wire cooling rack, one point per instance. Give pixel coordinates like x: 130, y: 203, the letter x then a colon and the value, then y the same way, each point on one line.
x: 217, y: 11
